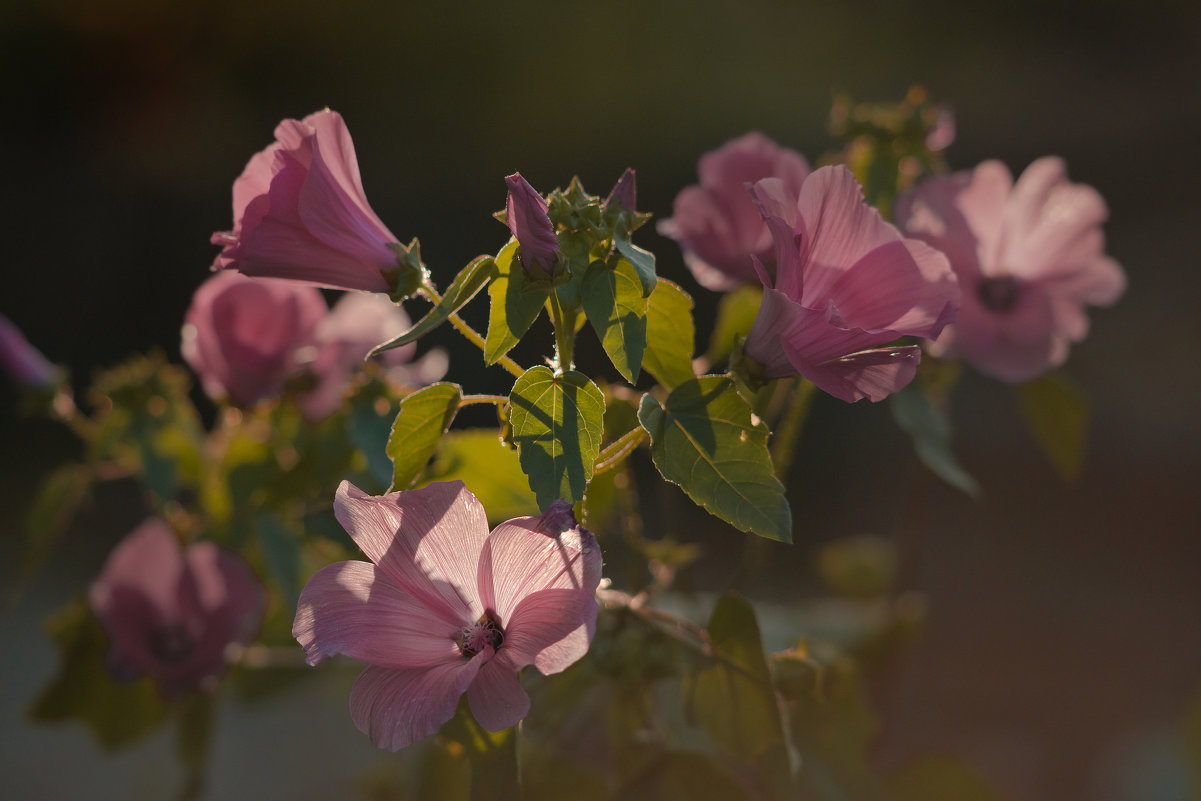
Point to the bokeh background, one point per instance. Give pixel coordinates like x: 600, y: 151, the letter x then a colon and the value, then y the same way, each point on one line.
x: 1062, y: 654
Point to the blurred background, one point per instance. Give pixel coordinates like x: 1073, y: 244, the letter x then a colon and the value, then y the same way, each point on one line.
x: 1061, y: 658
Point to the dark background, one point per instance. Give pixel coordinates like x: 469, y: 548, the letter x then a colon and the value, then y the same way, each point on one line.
x: 1063, y: 650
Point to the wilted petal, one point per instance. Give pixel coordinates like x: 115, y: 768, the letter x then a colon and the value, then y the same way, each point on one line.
x: 398, y: 707
x: 428, y: 541
x: 353, y: 608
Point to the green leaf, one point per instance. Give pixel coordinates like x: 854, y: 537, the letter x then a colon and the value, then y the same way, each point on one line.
x: 515, y: 305
x: 703, y: 438
x: 731, y: 698
x: 931, y: 433
x: 423, y: 418
x: 489, y: 468
x: 557, y: 425
x: 54, y: 506
x: 735, y: 315
x: 470, y: 280
x: 643, y: 261
x: 368, y: 432
x: 1057, y: 414
x: 614, y: 304
x: 669, y: 335
x: 117, y: 712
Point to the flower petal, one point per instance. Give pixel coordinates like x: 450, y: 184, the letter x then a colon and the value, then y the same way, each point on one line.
x: 332, y: 203
x: 776, y: 319
x: 428, y: 541
x: 496, y: 697
x: 398, y: 707
x: 353, y: 608
x: 871, y: 374
x: 550, y: 629
x: 526, y: 555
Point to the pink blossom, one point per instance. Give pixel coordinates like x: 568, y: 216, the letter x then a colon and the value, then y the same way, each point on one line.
x: 846, y: 283
x: 445, y: 607
x: 526, y: 213
x: 241, y: 335
x: 1029, y: 256
x: 176, y: 614
x: 300, y: 212
x: 716, y: 223
x: 343, y: 338
x: 21, y: 360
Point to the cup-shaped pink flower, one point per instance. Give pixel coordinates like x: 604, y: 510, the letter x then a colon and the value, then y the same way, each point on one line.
x: 341, y: 341
x: 446, y: 607
x: 300, y: 212
x: 176, y: 614
x: 846, y: 283
x: 1029, y: 255
x: 526, y: 214
x: 21, y: 360
x: 717, y: 224
x: 241, y: 335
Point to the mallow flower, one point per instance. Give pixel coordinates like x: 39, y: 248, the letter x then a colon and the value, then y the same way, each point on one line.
x: 241, y: 335
x: 846, y: 283
x: 445, y: 608
x: 717, y: 224
x: 300, y: 212
x: 21, y: 360
x: 526, y: 215
x: 341, y: 341
x: 177, y: 614
x: 1029, y: 256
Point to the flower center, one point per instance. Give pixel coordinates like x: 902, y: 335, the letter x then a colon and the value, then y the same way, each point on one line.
x: 999, y: 293
x: 171, y: 643
x: 483, y: 633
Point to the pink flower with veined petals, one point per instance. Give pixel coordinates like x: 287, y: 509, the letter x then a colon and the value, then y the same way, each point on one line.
x: 446, y: 608
x: 174, y: 613
x: 1029, y: 255
x: 343, y: 338
x: 716, y: 223
x: 846, y: 283
x: 241, y: 335
x: 300, y: 212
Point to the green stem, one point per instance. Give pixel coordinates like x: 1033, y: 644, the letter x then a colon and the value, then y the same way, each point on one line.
x: 471, y: 334
x: 783, y: 445
x: 611, y: 456
x: 564, y: 333
x: 497, y: 400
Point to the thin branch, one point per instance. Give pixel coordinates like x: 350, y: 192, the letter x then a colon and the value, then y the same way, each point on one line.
x: 617, y: 450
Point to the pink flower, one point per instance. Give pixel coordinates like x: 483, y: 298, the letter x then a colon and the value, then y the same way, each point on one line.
x: 525, y: 211
x: 177, y: 615
x: 1029, y: 256
x: 444, y: 607
x: 716, y: 223
x: 343, y: 338
x: 241, y: 335
x: 846, y: 283
x: 300, y: 212
x: 21, y: 360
